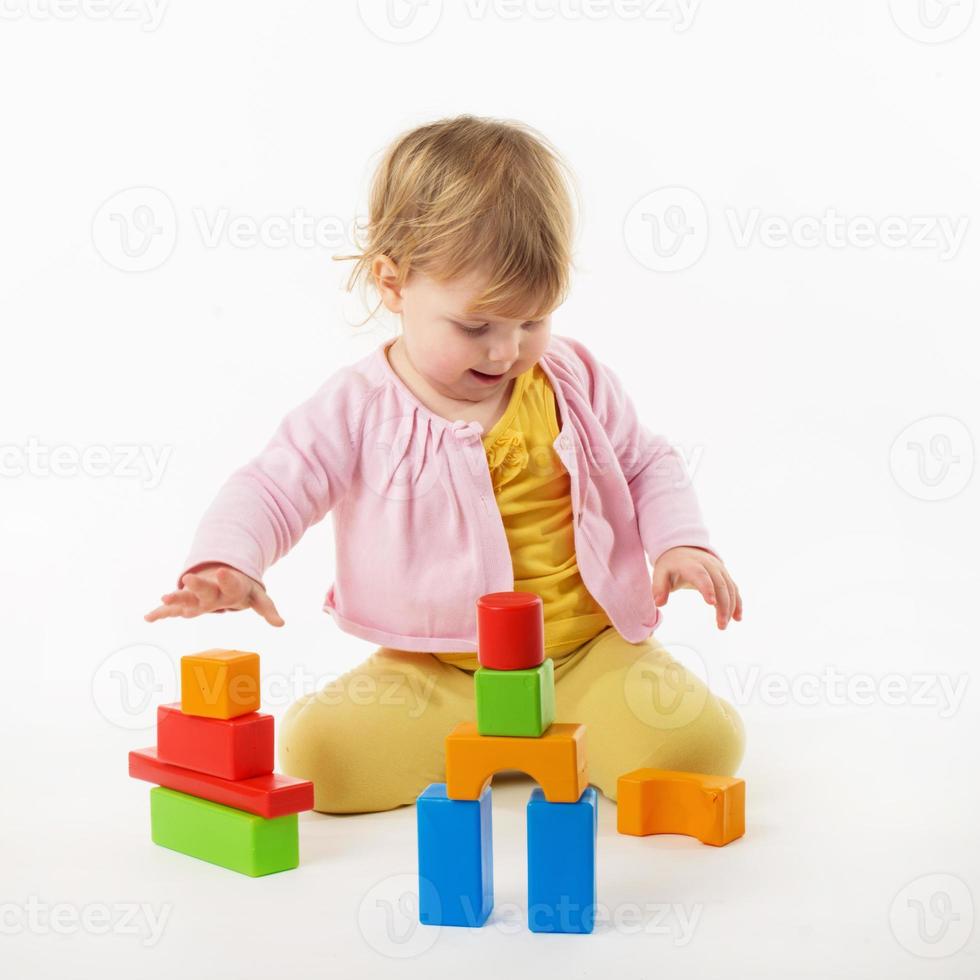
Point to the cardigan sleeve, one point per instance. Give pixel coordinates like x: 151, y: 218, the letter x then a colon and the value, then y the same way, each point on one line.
x: 666, y: 506
x: 265, y: 506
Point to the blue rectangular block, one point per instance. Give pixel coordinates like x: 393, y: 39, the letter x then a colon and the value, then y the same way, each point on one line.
x: 561, y: 846
x: 455, y: 858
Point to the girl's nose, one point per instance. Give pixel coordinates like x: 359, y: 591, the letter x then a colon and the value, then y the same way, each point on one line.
x: 505, y: 352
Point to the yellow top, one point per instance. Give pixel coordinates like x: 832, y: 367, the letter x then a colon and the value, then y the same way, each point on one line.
x: 533, y: 494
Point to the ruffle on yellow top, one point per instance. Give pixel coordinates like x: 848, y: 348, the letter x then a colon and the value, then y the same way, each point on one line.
x: 507, y: 455
x: 533, y: 494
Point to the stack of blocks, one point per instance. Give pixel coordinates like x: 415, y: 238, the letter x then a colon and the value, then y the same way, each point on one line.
x: 515, y: 729
x: 217, y: 797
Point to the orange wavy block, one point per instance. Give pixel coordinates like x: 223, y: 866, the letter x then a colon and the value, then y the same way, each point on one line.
x: 556, y: 761
x: 661, y: 801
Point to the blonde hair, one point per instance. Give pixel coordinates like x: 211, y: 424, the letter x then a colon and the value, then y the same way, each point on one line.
x: 474, y: 194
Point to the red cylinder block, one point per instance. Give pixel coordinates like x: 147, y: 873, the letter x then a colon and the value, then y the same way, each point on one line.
x: 510, y: 630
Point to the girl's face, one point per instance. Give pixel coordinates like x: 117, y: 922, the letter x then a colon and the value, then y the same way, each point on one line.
x: 461, y: 356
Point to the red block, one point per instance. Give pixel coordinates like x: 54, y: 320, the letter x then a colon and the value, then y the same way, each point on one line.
x: 271, y: 795
x: 510, y: 630
x: 233, y: 748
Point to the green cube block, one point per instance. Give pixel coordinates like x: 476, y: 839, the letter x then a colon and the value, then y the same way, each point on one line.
x: 515, y: 702
x: 223, y: 835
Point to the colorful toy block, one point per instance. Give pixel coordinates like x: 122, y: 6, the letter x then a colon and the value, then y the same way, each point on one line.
x: 561, y: 863
x: 510, y: 630
x: 217, y: 797
x: 661, y: 801
x: 556, y: 761
x: 270, y: 795
x: 232, y: 748
x: 219, y: 683
x: 515, y: 702
x: 221, y: 835
x: 455, y: 847
x: 515, y: 729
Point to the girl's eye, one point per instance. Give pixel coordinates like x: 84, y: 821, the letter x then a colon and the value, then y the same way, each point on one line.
x: 476, y: 331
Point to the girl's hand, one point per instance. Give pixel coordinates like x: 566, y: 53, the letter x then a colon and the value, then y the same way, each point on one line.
x: 694, y: 568
x: 215, y: 587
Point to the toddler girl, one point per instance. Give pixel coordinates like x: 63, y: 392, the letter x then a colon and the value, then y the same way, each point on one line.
x: 476, y: 452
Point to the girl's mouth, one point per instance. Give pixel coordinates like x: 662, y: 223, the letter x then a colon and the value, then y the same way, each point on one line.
x: 487, y: 379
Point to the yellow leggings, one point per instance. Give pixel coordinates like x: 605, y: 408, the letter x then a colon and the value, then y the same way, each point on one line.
x: 373, y: 739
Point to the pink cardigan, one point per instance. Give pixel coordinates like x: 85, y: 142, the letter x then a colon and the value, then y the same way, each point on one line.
x: 417, y: 531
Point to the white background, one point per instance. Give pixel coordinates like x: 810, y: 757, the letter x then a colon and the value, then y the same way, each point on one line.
x: 824, y: 389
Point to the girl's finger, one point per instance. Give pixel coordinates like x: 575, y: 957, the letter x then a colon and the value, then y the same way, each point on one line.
x: 230, y: 585
x: 265, y: 607
x: 702, y: 581
x: 163, y: 612
x: 662, y: 582
x: 715, y: 593
x: 179, y: 600
x: 728, y: 592
x: 201, y: 587
x: 211, y: 597
x: 723, y: 606
x: 730, y: 587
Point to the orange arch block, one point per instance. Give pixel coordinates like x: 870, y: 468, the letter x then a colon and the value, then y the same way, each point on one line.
x: 556, y: 761
x: 661, y: 801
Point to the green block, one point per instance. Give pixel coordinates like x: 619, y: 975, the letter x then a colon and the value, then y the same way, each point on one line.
x: 223, y: 835
x: 515, y: 702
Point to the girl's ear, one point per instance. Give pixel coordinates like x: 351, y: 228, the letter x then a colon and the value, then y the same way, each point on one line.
x: 385, y: 273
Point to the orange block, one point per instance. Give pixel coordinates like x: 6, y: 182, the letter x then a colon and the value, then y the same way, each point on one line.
x: 556, y: 761
x: 219, y: 683
x: 660, y: 801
